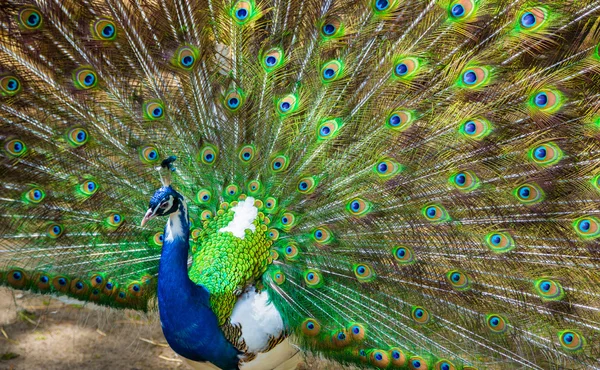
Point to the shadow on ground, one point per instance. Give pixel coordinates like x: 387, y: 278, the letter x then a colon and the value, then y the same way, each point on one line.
x: 43, y: 332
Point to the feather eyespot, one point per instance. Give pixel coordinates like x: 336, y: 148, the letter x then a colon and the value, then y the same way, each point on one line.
x: 549, y: 290
x: 272, y: 59
x: 307, y: 185
x: 328, y: 29
x: 403, y: 255
x: 42, y: 281
x: 243, y: 11
x: 340, y: 338
x: 496, y: 323
x: 322, y: 235
x: 149, y: 155
x: 231, y: 191
x: 331, y: 71
x: 361, y: 354
x: 476, y: 129
x: 54, y: 231
x: 135, y: 289
x: 474, y: 77
x: 203, y: 196
x: 30, y: 18
x: 15, y: 148
x: 364, y: 273
x: 247, y: 153
x: 279, y: 163
x: 287, y: 221
x: 500, y: 242
x: 571, y: 340
x: 154, y: 110
x: 273, y: 234
x: 587, y: 227
x: 546, y: 101
x: 357, y: 331
x: 387, y: 168
x: 383, y: 7
x: 313, y: 278
x: 234, y: 100
x: 398, y: 357
x: 206, y: 215
x: 459, y: 280
x: 85, y: 78
x: 358, y: 207
x: 328, y: 129
x: 17, y: 278
x: 417, y: 363
x: 406, y: 68
x: 77, y: 137
x: 332, y: 27
x: 89, y: 187
x: 195, y: 233
x: 545, y: 154
x: 596, y: 182
x: 379, y: 359
x: 104, y: 29
x: 311, y: 327
x: 529, y: 194
x: 435, y: 213
x: 278, y: 277
x: 114, y: 220
x: 185, y: 58
x: 208, y: 154
x: 461, y: 9
x: 270, y: 205
x: 464, y: 181
x: 35, y: 195
x: 121, y: 296
x: 158, y: 239
x: 399, y: 120
x: 10, y: 85
x: 110, y: 287
x: 444, y: 365
x: 532, y: 19
x: 287, y: 105
x: 420, y: 315
x: 254, y: 187
x: 290, y: 252
x: 61, y: 283
x: 78, y: 287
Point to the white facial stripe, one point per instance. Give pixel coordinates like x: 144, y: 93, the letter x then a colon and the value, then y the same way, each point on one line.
x: 171, y: 200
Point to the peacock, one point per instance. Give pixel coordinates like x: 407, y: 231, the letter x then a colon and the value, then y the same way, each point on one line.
x: 390, y: 184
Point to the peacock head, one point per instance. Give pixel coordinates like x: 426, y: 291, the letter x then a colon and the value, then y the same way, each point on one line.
x: 164, y: 202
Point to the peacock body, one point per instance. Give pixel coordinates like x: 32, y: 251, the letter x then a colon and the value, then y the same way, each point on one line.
x: 388, y: 183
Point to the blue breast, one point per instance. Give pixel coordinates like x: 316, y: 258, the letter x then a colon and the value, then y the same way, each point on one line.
x: 189, y: 325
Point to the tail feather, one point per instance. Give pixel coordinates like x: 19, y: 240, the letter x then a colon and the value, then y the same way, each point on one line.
x: 428, y: 170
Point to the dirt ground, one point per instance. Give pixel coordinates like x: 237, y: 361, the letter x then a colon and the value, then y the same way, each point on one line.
x: 42, y: 332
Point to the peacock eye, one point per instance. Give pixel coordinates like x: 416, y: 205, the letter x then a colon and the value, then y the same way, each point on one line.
x: 164, y: 205
x: 104, y: 29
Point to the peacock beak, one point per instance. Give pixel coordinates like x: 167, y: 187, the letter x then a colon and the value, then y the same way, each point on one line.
x: 148, y: 216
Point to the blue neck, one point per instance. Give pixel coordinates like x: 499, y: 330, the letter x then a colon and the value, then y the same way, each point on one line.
x: 189, y: 325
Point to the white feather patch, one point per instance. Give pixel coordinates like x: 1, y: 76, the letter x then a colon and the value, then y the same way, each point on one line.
x: 244, y: 214
x: 259, y: 319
